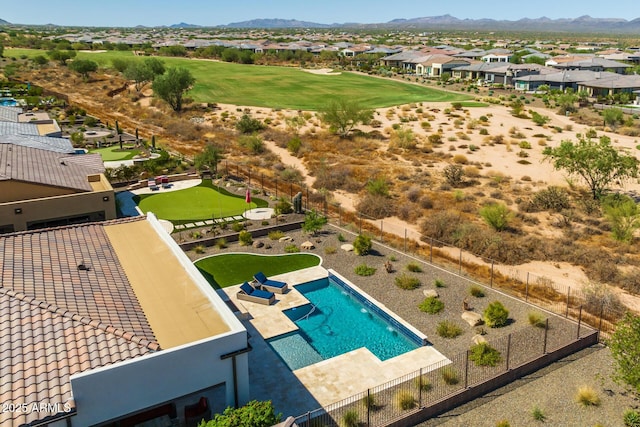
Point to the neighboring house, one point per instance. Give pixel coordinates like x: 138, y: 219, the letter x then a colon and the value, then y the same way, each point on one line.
x: 475, y: 71
x: 560, y: 80
x: 111, y: 324
x: 497, y: 55
x: 405, y: 60
x: 14, y: 121
x: 588, y: 64
x: 41, y: 188
x: 604, y: 85
x: 436, y: 65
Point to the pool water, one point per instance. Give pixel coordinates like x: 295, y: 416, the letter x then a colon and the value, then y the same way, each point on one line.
x: 335, y: 323
x: 8, y: 102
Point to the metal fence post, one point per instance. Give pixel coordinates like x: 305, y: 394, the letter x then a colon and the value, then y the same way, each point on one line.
x: 431, y: 252
x: 526, y: 288
x: 546, y: 329
x: 566, y: 314
x: 508, y: 350
x: 368, y: 407
x: 308, y: 418
x: 249, y: 177
x: 360, y: 222
x: 405, y: 240
x: 579, y: 323
x: 276, y: 187
x: 460, y: 263
x: 291, y: 191
x: 339, y: 216
x: 601, y: 314
x: 381, y: 232
x: 262, y: 182
x: 491, y: 279
x: 466, y: 369
x: 420, y: 389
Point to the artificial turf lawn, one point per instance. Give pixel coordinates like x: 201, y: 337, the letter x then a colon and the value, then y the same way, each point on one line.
x: 202, y: 202
x: 110, y: 154
x: 232, y: 269
x: 279, y: 87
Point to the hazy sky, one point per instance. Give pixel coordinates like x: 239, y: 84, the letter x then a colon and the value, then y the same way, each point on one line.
x: 129, y: 13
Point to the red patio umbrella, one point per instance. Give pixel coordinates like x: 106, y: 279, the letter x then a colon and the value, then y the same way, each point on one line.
x: 247, y: 197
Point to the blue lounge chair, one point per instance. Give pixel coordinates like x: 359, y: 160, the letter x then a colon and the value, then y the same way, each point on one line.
x: 270, y: 285
x: 249, y: 293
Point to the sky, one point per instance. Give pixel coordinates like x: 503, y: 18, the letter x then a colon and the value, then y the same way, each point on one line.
x: 129, y: 13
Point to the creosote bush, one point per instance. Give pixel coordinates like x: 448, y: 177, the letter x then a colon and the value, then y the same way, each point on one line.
x: 431, y: 305
x: 476, y: 291
x: 414, y: 267
x: 245, y: 238
x: 350, y: 419
x: 496, y: 315
x: 362, y: 245
x: 439, y: 283
x: 364, y: 270
x: 485, y: 355
x: 405, y: 400
x: 276, y: 234
x: 421, y: 382
x: 537, y: 320
x: 587, y: 396
x: 450, y: 376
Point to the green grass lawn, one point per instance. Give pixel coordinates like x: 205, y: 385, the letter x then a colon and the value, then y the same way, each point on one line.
x: 110, y: 154
x: 202, y: 202
x: 281, y: 87
x: 232, y: 269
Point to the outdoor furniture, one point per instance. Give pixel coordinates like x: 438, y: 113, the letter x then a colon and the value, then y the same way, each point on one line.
x: 249, y: 293
x: 151, y: 183
x: 270, y: 285
x: 194, y: 414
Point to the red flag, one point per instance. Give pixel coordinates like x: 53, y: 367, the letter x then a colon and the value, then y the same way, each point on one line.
x: 247, y: 197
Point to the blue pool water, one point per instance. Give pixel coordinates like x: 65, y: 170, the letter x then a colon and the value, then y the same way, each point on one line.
x: 337, y: 322
x: 8, y: 102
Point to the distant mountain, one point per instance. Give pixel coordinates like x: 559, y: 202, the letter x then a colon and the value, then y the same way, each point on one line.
x: 184, y: 25
x: 278, y: 23
x: 3, y: 22
x: 447, y: 22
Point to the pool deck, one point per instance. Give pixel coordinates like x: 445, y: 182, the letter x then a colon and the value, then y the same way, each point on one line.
x: 323, y: 383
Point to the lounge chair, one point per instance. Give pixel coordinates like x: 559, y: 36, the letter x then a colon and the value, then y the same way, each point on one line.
x: 270, y: 285
x: 249, y: 293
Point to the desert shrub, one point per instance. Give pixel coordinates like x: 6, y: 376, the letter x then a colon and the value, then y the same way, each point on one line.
x: 341, y: 238
x: 441, y: 225
x: 364, y: 270
x: 460, y: 159
x: 439, y: 283
x: 237, y: 227
x: 431, y: 305
x: 551, y: 198
x: 426, y: 203
x: 453, y: 174
x: 448, y: 329
x: 276, y: 234
x: 221, y: 243
x: 537, y: 414
x: 246, y: 124
x: 496, y: 315
x: 294, y: 145
x: 485, y: 355
x: 376, y: 206
x: 199, y: 249
x: 421, y: 382
x: 413, y: 194
x: 631, y: 418
x: 407, y: 282
x: 526, y: 145
x: 350, y: 419
x: 450, y: 376
x: 476, y: 291
x: 435, y: 139
x: 414, y: 267
x: 503, y: 423
x: 587, y: 396
x: 404, y: 400
x: 290, y: 249
x: 370, y: 402
x: 245, y: 238
x: 283, y: 207
x: 496, y: 215
x: 253, y: 143
x: 330, y: 250
x: 362, y: 245
x: 537, y: 320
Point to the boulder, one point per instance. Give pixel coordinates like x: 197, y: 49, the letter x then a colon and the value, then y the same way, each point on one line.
x: 472, y: 318
x: 347, y: 247
x: 257, y: 244
x: 307, y: 245
x: 430, y: 293
x: 285, y: 239
x: 478, y: 339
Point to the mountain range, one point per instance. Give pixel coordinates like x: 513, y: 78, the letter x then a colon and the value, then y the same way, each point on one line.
x: 447, y: 22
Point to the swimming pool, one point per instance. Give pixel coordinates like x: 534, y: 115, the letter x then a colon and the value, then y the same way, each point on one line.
x: 8, y: 102
x: 338, y: 320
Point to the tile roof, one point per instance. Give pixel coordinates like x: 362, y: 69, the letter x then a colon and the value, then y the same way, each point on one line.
x: 15, y: 128
x: 46, y: 167
x: 57, y: 320
x: 9, y: 114
x: 59, y: 145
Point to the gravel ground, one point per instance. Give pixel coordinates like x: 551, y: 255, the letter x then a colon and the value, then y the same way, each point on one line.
x: 552, y: 389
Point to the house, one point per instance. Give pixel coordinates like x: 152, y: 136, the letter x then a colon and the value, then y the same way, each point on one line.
x: 587, y: 64
x: 405, y: 60
x: 608, y: 84
x: 111, y: 324
x: 560, y: 80
x: 43, y: 187
x: 435, y: 65
x: 14, y: 121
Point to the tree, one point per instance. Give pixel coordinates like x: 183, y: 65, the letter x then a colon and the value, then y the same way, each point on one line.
x: 247, y: 124
x: 613, y: 116
x: 120, y: 64
x: 1, y: 50
x: 342, y: 115
x: 61, y: 55
x: 362, y: 245
x: 209, y: 158
x: 253, y: 414
x: 40, y: 60
x: 172, y: 85
x: 625, y: 349
x: 83, y: 67
x: 313, y: 222
x: 143, y: 72
x: 595, y: 161
x: 566, y: 102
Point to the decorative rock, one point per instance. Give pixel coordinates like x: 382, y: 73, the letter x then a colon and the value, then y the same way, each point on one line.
x: 267, y: 246
x: 307, y: 245
x: 257, y: 244
x: 430, y: 293
x: 477, y: 339
x: 285, y: 239
x: 472, y: 318
x: 347, y: 247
